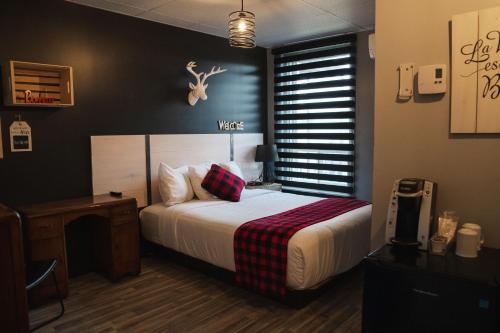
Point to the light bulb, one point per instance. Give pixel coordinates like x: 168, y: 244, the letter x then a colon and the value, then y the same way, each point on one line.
x: 242, y: 26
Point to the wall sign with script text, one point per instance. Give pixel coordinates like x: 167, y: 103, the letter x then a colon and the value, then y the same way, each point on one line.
x: 20, y: 137
x: 475, y: 95
x: 225, y: 125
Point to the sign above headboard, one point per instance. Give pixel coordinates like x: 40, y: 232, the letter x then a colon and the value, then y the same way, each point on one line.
x: 225, y: 125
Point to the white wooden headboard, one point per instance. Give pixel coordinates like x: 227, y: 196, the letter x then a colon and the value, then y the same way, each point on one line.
x: 120, y: 163
x: 184, y: 149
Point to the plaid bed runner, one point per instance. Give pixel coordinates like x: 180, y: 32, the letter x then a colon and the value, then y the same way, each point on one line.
x: 261, y: 246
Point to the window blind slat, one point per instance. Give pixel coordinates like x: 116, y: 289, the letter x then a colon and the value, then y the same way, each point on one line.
x: 314, y: 44
x: 315, y: 75
x: 321, y: 176
x: 317, y: 105
x: 318, y: 95
x: 317, y: 186
x: 315, y: 126
x: 318, y: 115
x: 317, y: 136
x: 316, y: 166
x: 315, y: 55
x: 316, y: 85
x: 316, y: 156
x: 316, y: 65
x: 316, y: 146
x: 307, y: 192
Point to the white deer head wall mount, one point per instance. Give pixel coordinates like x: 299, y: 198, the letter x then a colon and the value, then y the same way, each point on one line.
x: 198, y: 89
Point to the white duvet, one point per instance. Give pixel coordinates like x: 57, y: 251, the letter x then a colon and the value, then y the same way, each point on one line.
x: 205, y: 230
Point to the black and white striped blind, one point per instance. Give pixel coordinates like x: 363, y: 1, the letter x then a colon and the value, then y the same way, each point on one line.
x: 314, y: 105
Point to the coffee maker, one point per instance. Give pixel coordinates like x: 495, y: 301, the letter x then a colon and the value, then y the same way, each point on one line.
x: 410, y: 218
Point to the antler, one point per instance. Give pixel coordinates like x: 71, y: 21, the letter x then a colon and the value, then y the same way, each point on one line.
x: 212, y: 72
x: 190, y: 67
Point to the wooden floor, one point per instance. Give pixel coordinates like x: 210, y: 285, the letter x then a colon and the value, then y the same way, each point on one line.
x: 167, y: 297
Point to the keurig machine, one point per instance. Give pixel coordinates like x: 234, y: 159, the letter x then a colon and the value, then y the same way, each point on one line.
x: 411, y: 213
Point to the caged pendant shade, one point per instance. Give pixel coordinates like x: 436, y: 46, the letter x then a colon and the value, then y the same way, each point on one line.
x: 242, y: 29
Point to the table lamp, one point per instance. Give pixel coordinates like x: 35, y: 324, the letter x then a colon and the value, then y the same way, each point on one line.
x: 267, y: 154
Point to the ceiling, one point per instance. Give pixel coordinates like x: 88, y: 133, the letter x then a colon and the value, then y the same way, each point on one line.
x: 278, y: 21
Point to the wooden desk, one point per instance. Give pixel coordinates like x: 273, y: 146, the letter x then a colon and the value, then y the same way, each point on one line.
x: 115, y: 241
x: 13, y: 304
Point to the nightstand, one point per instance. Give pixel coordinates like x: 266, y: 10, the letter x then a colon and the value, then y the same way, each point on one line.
x: 422, y: 292
x: 265, y: 186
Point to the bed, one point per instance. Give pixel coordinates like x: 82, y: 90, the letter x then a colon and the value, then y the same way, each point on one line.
x: 205, y: 230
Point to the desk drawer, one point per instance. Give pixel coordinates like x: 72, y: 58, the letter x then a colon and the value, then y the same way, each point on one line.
x: 122, y: 214
x: 123, y: 220
x: 45, y: 227
x: 124, y: 211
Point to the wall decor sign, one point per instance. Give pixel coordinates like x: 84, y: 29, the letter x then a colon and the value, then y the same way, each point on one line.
x: 30, y: 98
x: 20, y: 136
x: 198, y: 90
x: 225, y: 125
x: 37, y: 85
x: 475, y: 95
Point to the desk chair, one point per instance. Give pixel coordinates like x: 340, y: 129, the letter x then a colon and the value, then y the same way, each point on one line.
x: 37, y: 272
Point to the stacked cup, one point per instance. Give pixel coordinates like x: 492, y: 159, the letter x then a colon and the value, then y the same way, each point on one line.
x: 469, y: 240
x: 477, y: 229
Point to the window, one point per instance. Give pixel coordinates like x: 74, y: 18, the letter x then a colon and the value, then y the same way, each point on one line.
x: 314, y: 97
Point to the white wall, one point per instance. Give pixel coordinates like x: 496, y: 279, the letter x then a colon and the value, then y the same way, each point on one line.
x: 412, y: 138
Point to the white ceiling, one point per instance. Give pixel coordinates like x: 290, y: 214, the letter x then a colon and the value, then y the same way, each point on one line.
x: 278, y: 21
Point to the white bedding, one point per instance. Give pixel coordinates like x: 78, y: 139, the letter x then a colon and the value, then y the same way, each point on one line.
x: 205, y: 230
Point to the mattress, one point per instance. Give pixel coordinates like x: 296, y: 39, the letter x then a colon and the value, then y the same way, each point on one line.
x: 205, y: 230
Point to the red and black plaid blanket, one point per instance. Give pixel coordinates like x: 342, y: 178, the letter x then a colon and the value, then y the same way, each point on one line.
x: 261, y: 246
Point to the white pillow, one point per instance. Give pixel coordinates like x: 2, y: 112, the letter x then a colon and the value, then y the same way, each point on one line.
x: 233, y: 167
x: 196, y: 175
x: 174, y: 185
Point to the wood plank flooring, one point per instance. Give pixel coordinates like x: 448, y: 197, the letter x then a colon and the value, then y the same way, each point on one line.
x: 167, y: 297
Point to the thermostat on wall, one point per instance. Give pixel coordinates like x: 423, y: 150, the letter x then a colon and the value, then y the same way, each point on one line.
x: 406, y: 77
x: 432, y: 79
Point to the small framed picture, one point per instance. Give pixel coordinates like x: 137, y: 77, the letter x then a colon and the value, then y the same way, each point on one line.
x: 20, y: 137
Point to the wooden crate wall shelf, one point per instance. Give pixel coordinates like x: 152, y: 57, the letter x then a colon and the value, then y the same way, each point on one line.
x: 50, y: 85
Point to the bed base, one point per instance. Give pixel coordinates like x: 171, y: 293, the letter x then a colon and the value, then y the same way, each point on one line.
x: 294, y: 298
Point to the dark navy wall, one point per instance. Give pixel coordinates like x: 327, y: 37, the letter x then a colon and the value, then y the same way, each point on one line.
x: 130, y: 78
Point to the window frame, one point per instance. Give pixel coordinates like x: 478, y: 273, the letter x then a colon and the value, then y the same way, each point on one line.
x: 315, y: 116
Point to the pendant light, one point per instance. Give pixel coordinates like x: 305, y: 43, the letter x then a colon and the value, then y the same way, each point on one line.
x: 242, y: 29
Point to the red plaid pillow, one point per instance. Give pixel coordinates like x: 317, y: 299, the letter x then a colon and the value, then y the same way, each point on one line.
x: 223, y: 184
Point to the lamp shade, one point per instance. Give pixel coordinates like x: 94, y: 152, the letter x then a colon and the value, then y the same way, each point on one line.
x: 266, y: 153
x: 242, y: 28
